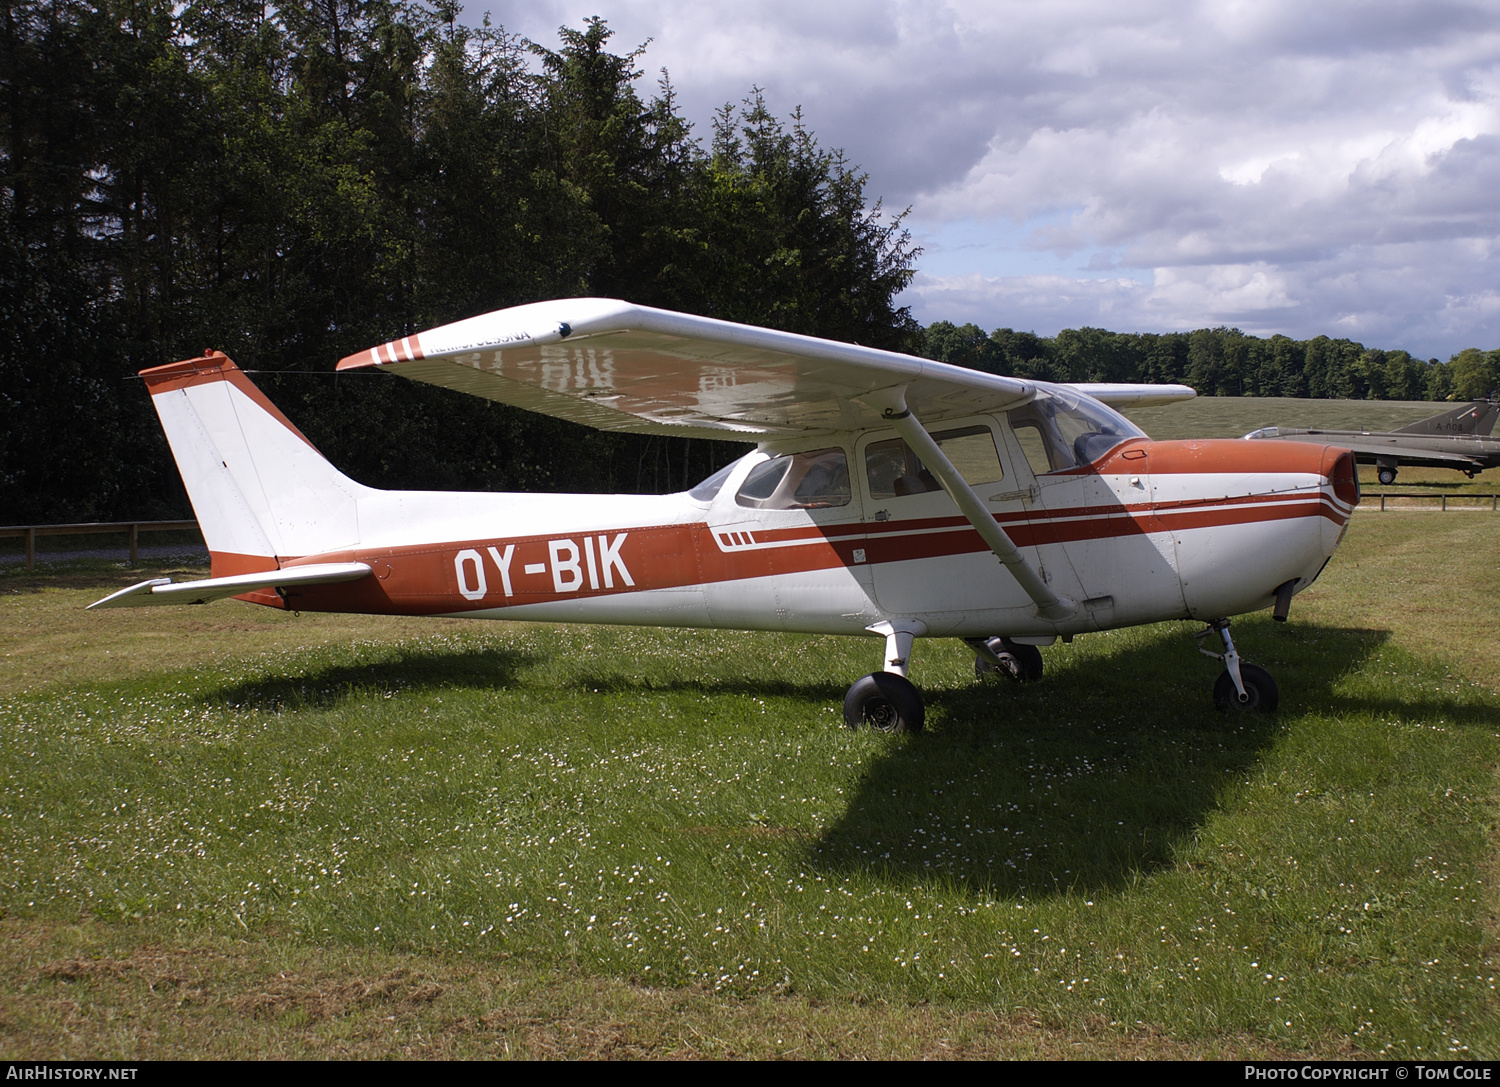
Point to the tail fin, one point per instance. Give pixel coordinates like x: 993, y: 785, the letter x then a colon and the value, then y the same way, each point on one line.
x: 262, y: 493
x: 1475, y: 419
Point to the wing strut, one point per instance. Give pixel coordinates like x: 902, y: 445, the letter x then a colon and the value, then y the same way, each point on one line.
x: 1049, y: 605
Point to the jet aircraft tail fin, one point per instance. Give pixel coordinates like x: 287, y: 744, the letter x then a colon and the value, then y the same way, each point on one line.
x: 1475, y: 419
x: 261, y: 492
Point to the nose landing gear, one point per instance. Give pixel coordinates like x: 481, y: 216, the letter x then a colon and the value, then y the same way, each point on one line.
x: 1260, y: 691
x: 1241, y: 687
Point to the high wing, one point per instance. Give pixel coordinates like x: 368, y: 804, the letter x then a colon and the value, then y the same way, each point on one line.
x: 617, y: 366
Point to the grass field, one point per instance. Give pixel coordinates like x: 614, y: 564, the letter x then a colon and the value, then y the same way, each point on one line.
x: 232, y: 832
x: 1235, y: 416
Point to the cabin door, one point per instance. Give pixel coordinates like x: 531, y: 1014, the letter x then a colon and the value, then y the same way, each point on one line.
x: 925, y: 556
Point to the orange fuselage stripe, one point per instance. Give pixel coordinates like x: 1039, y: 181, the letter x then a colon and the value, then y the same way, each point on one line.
x: 424, y: 579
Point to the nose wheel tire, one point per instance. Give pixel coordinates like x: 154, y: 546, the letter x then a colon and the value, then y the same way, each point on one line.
x: 884, y: 702
x: 1386, y: 476
x: 1261, y: 695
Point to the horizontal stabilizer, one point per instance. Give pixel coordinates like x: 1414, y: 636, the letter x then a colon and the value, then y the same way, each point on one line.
x: 163, y: 590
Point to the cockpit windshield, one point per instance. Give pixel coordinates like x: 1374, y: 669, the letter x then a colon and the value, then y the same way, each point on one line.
x: 1062, y: 429
x: 709, y: 489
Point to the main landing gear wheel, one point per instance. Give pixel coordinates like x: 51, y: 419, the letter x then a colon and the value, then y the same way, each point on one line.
x: 1018, y: 662
x: 884, y: 702
x: 1386, y: 476
x: 1261, y: 695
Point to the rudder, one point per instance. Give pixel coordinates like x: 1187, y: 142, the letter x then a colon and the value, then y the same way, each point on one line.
x: 262, y: 493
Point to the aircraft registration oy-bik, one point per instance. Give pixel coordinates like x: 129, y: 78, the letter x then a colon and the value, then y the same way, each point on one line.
x: 888, y: 495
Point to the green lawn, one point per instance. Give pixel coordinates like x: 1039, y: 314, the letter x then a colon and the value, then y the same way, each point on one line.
x: 233, y: 832
x: 1236, y: 416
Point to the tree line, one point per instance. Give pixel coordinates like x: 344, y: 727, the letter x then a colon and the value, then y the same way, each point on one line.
x: 1218, y: 362
x: 296, y: 183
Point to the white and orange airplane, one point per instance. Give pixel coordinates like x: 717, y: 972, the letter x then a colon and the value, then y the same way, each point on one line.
x: 888, y: 495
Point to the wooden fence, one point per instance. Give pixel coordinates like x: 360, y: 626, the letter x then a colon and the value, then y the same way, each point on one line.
x: 134, y: 528
x: 1458, y: 499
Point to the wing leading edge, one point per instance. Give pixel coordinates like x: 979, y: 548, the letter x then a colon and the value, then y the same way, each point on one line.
x: 617, y: 366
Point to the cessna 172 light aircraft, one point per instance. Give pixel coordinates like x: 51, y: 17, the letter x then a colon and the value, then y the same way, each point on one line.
x: 888, y: 495
x: 1457, y: 439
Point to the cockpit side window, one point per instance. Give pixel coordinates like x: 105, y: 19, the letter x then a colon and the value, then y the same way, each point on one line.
x: 894, y: 469
x: 1032, y: 440
x: 818, y: 479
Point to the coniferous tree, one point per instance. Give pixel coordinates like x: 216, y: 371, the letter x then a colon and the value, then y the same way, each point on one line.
x: 293, y: 184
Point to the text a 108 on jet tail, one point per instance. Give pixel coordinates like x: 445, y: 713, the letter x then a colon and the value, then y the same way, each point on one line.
x: 888, y: 495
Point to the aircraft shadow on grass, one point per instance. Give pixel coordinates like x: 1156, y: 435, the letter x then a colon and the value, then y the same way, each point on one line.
x: 1078, y: 784
x: 1052, y: 789
x: 414, y: 669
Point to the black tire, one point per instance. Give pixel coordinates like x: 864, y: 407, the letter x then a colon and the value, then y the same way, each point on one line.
x: 1386, y: 475
x: 1028, y: 658
x: 1259, y: 687
x: 1022, y: 663
x: 884, y: 702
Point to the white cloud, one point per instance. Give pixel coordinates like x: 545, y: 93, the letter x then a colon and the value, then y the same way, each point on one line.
x: 1296, y: 167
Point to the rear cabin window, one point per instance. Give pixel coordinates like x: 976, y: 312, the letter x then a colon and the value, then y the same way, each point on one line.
x: 798, y: 481
x: 894, y: 469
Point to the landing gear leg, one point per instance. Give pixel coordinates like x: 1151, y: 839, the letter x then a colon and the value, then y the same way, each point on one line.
x: 1241, y: 687
x: 1001, y: 656
x: 886, y: 701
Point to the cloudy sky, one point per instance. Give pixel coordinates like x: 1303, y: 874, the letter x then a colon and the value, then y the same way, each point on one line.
x: 1317, y: 166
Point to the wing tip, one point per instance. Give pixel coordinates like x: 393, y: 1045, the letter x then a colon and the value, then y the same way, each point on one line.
x: 406, y: 349
x: 123, y: 598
